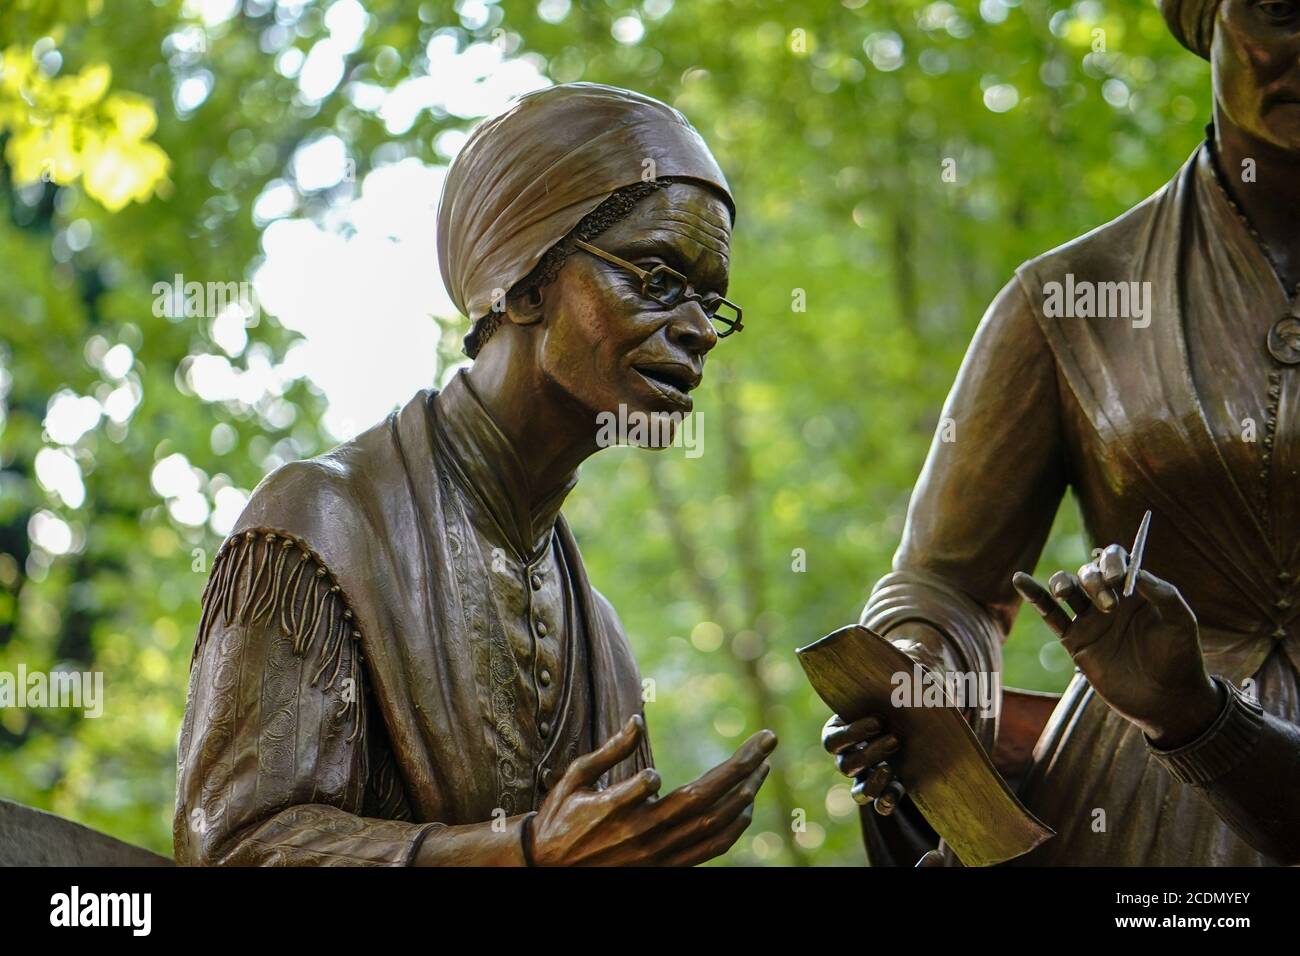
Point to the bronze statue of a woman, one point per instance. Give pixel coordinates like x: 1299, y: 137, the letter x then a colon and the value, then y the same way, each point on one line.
x: 1153, y: 363
x: 401, y: 660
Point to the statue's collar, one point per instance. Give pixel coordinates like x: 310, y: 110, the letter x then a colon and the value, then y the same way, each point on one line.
x: 492, y: 474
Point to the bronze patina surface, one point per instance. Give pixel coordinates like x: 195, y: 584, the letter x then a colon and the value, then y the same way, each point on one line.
x: 1177, y: 743
x: 401, y: 660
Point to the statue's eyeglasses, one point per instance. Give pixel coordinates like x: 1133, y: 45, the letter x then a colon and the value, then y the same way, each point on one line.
x: 667, y: 286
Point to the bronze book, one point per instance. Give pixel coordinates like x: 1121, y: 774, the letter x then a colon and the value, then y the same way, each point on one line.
x: 946, y: 772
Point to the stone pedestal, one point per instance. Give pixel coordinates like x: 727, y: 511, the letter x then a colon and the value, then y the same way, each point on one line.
x: 30, y: 837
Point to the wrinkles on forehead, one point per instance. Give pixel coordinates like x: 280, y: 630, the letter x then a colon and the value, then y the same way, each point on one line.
x: 703, y: 260
x: 690, y: 231
x: 705, y: 220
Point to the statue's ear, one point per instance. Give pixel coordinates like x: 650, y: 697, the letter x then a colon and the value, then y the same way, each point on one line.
x: 526, y: 309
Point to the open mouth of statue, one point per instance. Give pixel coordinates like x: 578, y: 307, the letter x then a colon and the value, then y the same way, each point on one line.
x: 673, y: 382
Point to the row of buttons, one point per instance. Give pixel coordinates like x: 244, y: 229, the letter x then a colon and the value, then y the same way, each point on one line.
x: 547, y: 776
x: 544, y: 677
x: 1281, y: 604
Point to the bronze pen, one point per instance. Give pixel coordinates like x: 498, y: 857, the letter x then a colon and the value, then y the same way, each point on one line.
x: 1135, y: 555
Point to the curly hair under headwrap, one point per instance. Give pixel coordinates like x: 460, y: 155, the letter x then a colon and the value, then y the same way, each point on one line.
x: 610, y: 211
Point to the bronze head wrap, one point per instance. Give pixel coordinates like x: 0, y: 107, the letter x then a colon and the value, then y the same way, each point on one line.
x: 1192, y: 23
x: 526, y: 178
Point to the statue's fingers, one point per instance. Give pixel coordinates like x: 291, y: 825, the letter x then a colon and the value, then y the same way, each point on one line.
x: 853, y: 762
x: 1162, y: 594
x: 833, y: 723
x: 716, y: 845
x: 1065, y: 587
x: 888, y: 801
x: 840, y: 738
x: 587, y: 769
x: 700, y: 793
x: 872, y: 784
x: 1114, y: 566
x: 1033, y: 592
x: 667, y: 840
x: 634, y: 790
x: 1094, y: 585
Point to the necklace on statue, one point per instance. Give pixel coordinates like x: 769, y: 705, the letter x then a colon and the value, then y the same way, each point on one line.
x: 1283, y: 339
x: 1284, y: 335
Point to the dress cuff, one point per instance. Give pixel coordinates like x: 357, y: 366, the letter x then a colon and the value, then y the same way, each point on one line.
x: 1230, y: 738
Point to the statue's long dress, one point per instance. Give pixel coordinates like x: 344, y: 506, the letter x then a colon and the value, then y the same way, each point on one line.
x: 366, y: 686
x: 1188, y: 415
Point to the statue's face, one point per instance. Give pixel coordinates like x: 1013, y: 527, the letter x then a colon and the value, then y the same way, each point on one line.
x: 1256, y: 60
x: 607, y: 345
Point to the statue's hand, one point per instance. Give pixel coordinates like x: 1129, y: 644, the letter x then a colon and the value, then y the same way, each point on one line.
x: 1142, y: 654
x: 860, y: 749
x: 627, y: 825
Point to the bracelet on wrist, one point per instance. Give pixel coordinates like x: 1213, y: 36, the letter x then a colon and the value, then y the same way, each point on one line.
x: 525, y: 838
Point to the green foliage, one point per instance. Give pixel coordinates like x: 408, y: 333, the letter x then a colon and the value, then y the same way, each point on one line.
x: 835, y: 123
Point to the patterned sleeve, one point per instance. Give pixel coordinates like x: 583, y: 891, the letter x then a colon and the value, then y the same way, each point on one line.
x: 275, y: 762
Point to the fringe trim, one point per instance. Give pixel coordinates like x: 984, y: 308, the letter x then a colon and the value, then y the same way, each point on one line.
x: 264, y: 576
